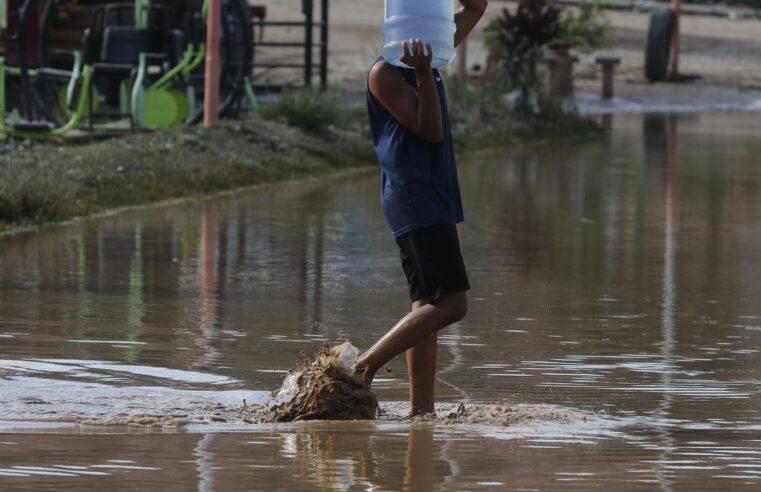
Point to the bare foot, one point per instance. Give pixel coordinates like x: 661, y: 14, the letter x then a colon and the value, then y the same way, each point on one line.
x: 361, y: 376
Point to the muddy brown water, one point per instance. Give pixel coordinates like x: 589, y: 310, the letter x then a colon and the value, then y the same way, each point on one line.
x: 615, y: 307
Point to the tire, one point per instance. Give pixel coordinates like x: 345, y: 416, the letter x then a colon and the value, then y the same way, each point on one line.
x: 237, y: 52
x: 658, y: 51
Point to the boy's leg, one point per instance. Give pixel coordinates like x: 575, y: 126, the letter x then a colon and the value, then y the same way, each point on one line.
x: 418, y: 325
x: 421, y: 367
x: 432, y: 262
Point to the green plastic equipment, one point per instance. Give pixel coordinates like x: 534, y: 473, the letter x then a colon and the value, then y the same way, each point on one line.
x: 163, y: 104
x: 80, y: 75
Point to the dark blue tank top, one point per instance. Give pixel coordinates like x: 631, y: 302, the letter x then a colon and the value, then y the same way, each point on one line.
x: 419, y: 186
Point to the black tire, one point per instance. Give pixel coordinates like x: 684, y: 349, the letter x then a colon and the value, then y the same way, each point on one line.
x: 237, y: 46
x: 658, y: 51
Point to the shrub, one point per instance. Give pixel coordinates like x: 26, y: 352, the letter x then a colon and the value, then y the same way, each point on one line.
x: 475, y: 106
x: 518, y: 39
x: 309, y: 110
x: 585, y: 30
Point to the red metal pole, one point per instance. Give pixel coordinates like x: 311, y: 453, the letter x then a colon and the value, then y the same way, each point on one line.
x: 211, y: 82
x: 676, y: 6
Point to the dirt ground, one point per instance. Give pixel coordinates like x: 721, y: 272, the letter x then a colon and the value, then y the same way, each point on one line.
x: 725, y: 53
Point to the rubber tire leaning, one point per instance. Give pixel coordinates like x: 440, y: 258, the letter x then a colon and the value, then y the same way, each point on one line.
x: 658, y: 51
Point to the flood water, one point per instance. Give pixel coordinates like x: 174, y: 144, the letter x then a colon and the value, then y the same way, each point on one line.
x: 616, y: 302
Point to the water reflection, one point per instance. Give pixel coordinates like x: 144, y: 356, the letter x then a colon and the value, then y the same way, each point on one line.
x: 205, y: 463
x: 411, y: 460
x: 207, y: 302
x: 419, y: 461
x: 663, y: 128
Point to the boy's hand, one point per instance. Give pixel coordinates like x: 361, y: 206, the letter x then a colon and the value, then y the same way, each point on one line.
x: 416, y: 108
x: 413, y: 54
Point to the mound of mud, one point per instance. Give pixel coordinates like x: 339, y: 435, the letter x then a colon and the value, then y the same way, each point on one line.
x: 502, y: 414
x: 320, y: 390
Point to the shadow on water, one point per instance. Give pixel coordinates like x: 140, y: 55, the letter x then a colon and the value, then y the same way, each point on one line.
x: 614, y: 311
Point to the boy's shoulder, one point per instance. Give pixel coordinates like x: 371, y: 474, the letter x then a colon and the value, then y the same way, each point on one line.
x: 380, y: 65
x: 384, y: 73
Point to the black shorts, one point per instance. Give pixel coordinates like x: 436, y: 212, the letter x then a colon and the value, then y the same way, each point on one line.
x: 432, y: 261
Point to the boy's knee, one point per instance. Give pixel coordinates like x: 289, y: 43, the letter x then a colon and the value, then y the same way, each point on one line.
x: 462, y: 309
x: 457, y: 307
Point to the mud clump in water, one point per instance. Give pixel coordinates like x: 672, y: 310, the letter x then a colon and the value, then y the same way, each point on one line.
x: 320, y: 390
x: 503, y: 414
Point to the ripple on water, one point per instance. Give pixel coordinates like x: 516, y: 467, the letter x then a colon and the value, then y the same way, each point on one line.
x: 106, y: 468
x: 25, y: 399
x: 108, y: 371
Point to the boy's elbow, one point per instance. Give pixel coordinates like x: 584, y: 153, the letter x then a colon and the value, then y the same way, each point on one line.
x: 434, y: 137
x: 478, y: 6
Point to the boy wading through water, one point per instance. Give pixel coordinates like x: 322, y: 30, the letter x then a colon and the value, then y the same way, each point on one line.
x: 420, y: 197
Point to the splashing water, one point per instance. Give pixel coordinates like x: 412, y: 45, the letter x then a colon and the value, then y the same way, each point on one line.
x: 320, y: 390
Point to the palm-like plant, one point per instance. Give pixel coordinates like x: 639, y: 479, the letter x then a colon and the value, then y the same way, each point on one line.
x: 519, y: 39
x: 585, y: 29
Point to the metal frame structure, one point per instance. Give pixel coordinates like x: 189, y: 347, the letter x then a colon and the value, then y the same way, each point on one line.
x: 156, y: 90
x: 50, y: 98
x: 309, y: 24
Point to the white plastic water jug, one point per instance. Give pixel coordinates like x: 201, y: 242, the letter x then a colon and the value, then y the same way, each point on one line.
x: 430, y: 20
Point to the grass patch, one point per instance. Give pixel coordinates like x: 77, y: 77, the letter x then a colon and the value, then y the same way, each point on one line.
x: 308, y: 110
x: 301, y: 136
x: 471, y: 107
x: 43, y: 182
x: 481, y: 119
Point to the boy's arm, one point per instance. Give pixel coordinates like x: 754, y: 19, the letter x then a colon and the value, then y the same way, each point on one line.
x: 467, y: 17
x: 418, y: 110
